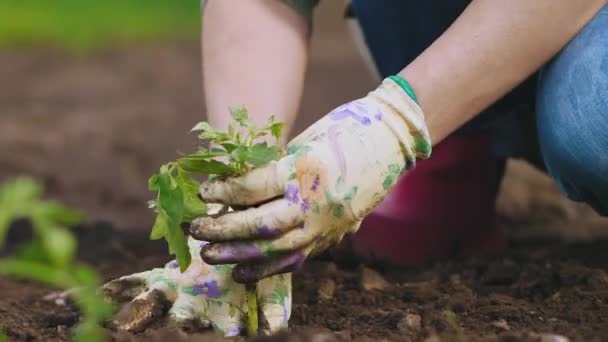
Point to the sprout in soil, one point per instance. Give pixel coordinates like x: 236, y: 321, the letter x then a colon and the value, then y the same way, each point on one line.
x: 50, y: 257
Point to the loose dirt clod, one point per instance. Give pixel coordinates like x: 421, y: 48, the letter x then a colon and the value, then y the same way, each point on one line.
x: 372, y: 280
x: 410, y: 323
x: 501, y: 324
x: 327, y: 288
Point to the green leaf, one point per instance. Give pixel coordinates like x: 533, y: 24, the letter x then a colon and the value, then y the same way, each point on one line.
x: 153, y: 183
x: 177, y: 198
x: 178, y: 246
x: 36, y: 271
x: 193, y: 206
x: 276, y: 129
x: 33, y: 252
x: 202, y: 127
x: 204, y: 153
x: 60, y: 245
x: 204, y: 166
x: 229, y: 147
x: 86, y: 276
x: 170, y: 198
x: 57, y: 213
x: 170, y: 209
x: 49, y: 257
x: 216, y: 137
x: 262, y: 154
x: 160, y: 227
x: 210, y: 133
x: 89, y: 331
x: 240, y: 115
x: 17, y: 199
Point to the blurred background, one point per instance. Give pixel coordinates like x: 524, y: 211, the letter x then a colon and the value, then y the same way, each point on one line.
x: 95, y: 95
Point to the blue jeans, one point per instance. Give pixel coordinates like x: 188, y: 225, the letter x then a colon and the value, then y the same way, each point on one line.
x: 557, y: 119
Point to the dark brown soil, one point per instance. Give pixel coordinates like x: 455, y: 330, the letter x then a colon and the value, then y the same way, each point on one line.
x: 536, y: 288
x: 94, y: 128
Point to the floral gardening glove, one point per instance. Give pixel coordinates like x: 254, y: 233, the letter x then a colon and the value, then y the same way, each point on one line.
x: 333, y: 175
x: 202, y: 296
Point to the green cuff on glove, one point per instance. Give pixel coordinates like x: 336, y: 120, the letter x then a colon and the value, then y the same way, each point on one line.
x: 405, y: 86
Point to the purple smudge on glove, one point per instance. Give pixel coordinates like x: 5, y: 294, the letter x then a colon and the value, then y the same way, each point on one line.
x: 315, y: 184
x: 245, y: 273
x: 266, y: 232
x: 304, y: 206
x: 234, y: 330
x: 209, y: 289
x: 232, y: 252
x: 286, y: 312
x: 356, y: 110
x: 173, y: 264
x: 292, y: 194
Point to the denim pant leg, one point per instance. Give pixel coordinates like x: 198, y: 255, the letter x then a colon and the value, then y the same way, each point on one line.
x: 572, y: 115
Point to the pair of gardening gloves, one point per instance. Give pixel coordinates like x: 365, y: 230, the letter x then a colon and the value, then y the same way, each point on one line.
x: 332, y: 176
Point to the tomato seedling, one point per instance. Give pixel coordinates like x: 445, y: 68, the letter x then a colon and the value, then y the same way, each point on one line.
x: 231, y: 153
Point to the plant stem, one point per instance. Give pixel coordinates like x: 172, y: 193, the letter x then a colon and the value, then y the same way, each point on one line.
x: 252, y: 309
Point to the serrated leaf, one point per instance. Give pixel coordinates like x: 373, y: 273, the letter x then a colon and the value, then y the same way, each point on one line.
x: 262, y: 154
x: 214, y: 136
x: 202, y: 127
x: 240, y: 115
x: 204, y: 166
x: 210, y: 133
x: 276, y: 129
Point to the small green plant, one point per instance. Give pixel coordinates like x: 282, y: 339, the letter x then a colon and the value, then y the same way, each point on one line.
x: 233, y: 152
x: 50, y: 257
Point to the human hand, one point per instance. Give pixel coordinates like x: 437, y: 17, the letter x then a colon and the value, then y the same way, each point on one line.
x: 202, y: 296
x: 334, y: 174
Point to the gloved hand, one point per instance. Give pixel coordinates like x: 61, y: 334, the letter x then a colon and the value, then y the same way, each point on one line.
x: 334, y: 173
x: 203, y: 295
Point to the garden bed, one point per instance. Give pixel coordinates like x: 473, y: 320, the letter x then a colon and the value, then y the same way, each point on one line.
x: 536, y: 288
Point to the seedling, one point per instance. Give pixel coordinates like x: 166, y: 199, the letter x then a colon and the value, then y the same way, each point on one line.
x: 232, y: 153
x: 50, y: 257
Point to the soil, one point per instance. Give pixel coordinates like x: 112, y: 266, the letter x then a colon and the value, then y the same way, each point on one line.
x: 93, y: 128
x: 537, y: 287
